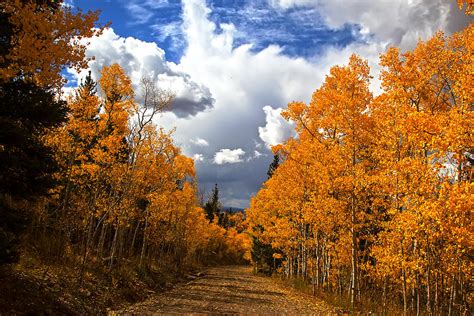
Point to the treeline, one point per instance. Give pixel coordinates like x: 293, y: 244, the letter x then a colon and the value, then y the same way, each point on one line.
x: 90, y: 179
x: 373, y: 200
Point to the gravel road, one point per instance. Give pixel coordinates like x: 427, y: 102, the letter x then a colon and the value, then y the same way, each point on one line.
x: 231, y: 290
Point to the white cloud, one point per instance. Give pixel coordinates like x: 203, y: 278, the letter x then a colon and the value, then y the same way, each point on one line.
x: 139, y: 58
x: 257, y: 154
x: 200, y: 142
x: 68, y: 4
x: 198, y: 157
x: 276, y: 129
x: 242, y: 81
x: 257, y: 144
x: 394, y: 22
x: 139, y: 13
x: 142, y: 10
x: 228, y: 156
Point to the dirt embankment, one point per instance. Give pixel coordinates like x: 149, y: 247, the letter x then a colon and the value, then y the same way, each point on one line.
x: 54, y: 290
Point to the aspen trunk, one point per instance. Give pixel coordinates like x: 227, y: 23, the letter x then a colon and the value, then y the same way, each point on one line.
x: 354, y: 272
x: 428, y: 291
x: 142, y: 254
x: 317, y: 262
x: 86, y: 249
x: 451, y: 298
x: 405, y: 303
x: 349, y: 288
x: 384, y: 295
x: 354, y: 278
x: 132, y: 246
x: 328, y: 270
x: 103, y: 234
x: 113, y: 248
x: 404, y: 283
x: 298, y: 261
x: 461, y: 290
x: 436, y: 302
x: 417, y: 294
x: 314, y: 276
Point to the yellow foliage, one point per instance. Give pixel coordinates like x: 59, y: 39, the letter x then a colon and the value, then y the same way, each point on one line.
x: 44, y: 41
x: 381, y: 185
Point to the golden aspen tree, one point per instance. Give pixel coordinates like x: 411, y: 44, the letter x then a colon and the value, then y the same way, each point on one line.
x: 45, y: 37
x: 338, y: 116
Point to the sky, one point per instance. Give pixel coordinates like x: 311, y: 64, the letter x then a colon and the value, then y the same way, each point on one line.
x: 233, y: 65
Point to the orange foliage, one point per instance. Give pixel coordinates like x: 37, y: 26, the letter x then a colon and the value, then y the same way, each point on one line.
x: 380, y: 189
x: 44, y: 41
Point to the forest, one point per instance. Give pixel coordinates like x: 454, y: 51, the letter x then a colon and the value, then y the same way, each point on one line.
x: 369, y: 206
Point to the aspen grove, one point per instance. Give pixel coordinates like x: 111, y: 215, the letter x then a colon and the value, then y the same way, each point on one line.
x: 375, y: 194
x: 125, y: 189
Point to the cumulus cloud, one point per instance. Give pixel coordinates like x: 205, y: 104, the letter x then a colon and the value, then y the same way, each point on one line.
x: 228, y: 156
x: 200, y: 142
x: 404, y: 22
x: 140, y: 58
x: 276, y: 129
x: 242, y: 81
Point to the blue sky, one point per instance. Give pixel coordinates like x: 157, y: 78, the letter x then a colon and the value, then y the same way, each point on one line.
x: 299, y: 30
x: 233, y: 65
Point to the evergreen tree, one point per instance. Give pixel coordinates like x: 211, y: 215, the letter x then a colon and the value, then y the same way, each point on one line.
x: 27, y: 164
x: 88, y: 87
x: 273, y: 166
x: 29, y: 105
x: 25, y: 111
x: 262, y: 254
x: 213, y: 205
x: 224, y: 220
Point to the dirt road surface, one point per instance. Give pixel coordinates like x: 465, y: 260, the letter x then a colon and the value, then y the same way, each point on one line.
x: 232, y: 290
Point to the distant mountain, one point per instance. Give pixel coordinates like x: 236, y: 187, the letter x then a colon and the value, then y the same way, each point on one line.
x: 232, y: 210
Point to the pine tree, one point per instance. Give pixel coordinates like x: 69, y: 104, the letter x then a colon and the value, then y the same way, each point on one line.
x: 262, y: 253
x: 36, y: 42
x: 213, y: 205
x: 273, y: 166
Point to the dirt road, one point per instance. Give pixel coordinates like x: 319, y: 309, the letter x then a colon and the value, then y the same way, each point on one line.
x: 231, y: 290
